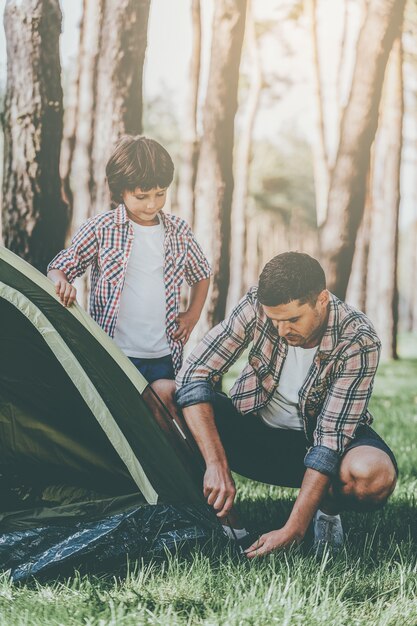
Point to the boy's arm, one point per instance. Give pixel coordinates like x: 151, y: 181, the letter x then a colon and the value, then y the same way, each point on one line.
x: 72, y: 262
x: 66, y: 292
x: 187, y: 320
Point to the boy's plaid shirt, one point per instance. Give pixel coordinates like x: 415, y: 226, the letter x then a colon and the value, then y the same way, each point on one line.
x: 334, y: 397
x: 105, y: 242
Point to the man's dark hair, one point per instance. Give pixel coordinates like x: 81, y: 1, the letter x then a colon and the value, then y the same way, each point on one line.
x: 291, y: 276
x: 138, y: 162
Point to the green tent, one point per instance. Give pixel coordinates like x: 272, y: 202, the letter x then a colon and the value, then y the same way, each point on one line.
x: 85, y: 446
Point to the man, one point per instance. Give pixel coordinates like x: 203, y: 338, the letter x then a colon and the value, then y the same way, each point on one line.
x: 298, y: 413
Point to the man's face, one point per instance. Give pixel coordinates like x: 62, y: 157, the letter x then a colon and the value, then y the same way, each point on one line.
x: 143, y: 206
x: 300, y: 324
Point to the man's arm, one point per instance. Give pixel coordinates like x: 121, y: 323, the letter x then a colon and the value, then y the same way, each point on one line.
x: 219, y: 487
x: 313, y: 489
x: 187, y: 320
x: 346, y: 402
x: 213, y: 356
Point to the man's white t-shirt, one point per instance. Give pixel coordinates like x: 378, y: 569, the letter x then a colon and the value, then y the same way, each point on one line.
x: 283, y: 410
x: 140, y: 328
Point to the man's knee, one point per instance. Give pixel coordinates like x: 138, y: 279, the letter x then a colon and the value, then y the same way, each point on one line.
x: 164, y: 389
x: 367, y: 479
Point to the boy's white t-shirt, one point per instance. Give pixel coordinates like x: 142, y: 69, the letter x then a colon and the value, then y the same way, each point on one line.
x: 283, y: 410
x: 141, y: 324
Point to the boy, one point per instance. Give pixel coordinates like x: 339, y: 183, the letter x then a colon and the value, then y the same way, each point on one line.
x: 139, y: 258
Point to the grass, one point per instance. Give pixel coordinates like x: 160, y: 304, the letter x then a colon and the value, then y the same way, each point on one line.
x: 373, y: 582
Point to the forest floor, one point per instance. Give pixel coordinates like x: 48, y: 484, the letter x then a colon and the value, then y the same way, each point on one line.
x: 373, y: 581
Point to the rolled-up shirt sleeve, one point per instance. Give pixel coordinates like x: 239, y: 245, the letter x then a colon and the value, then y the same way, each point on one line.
x: 346, y: 402
x: 197, y: 266
x: 75, y: 259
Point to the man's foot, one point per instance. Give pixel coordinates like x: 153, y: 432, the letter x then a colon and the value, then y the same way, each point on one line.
x: 328, y: 533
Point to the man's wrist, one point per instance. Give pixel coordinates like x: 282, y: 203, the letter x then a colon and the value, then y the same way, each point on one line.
x: 216, y: 461
x: 295, y: 530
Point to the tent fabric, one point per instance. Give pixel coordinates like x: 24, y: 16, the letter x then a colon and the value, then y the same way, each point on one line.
x: 89, y: 393
x: 75, y: 412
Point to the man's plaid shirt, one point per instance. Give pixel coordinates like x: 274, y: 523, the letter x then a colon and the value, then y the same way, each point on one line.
x: 105, y: 242
x: 334, y: 397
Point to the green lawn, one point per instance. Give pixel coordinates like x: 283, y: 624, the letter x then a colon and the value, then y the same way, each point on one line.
x: 374, y: 581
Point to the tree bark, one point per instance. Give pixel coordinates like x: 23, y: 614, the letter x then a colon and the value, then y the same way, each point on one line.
x: 242, y: 165
x: 382, y: 283
x: 321, y: 157
x: 214, y: 185
x: 358, y: 279
x: 77, y: 170
x: 35, y: 217
x: 189, y: 160
x: 359, y: 123
x: 118, y: 85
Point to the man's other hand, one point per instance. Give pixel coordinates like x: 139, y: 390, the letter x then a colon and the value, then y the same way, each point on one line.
x: 274, y: 540
x: 219, y: 488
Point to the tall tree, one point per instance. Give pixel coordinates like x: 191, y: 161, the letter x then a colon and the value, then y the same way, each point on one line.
x: 112, y: 51
x: 189, y: 158
x: 242, y: 161
x: 108, y: 102
x: 347, y: 189
x: 118, y: 85
x: 382, y: 281
x: 214, y: 184
x: 35, y: 216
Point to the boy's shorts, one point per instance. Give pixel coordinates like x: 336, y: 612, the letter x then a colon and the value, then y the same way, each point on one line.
x: 155, y: 369
x: 273, y: 455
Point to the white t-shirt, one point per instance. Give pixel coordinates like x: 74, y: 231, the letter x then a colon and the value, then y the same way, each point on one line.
x: 140, y: 328
x: 283, y: 410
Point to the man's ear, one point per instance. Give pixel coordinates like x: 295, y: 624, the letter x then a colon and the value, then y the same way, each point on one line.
x: 323, y: 298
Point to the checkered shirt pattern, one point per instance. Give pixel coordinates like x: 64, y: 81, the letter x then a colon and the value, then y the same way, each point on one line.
x: 105, y: 242
x: 334, y: 397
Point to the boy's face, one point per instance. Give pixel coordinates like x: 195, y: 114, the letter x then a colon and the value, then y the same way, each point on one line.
x: 143, y: 206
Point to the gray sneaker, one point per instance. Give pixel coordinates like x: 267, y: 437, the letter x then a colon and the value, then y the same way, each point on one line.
x: 328, y: 533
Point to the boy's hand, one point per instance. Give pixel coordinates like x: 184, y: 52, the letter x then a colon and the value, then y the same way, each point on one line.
x: 66, y: 292
x: 186, y: 322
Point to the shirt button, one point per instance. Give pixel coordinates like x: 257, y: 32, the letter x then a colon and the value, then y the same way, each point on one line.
x: 216, y: 378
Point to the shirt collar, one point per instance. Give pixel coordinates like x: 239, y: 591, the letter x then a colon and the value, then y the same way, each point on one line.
x: 121, y: 217
x: 331, y: 334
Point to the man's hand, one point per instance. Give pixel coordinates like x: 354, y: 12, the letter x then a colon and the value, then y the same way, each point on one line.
x: 219, y: 488
x: 274, y: 540
x: 186, y: 322
x: 66, y: 292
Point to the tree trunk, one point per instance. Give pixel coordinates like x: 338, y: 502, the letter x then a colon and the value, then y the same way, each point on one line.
x: 242, y: 165
x: 321, y: 158
x: 108, y: 104
x: 188, y: 168
x: 358, y: 279
x: 118, y: 86
x: 214, y: 185
x: 382, y: 286
x: 35, y: 216
x: 412, y: 274
x: 77, y: 171
x: 359, y: 123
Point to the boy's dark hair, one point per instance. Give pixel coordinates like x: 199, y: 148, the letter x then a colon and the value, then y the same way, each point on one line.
x: 291, y: 276
x: 138, y: 162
